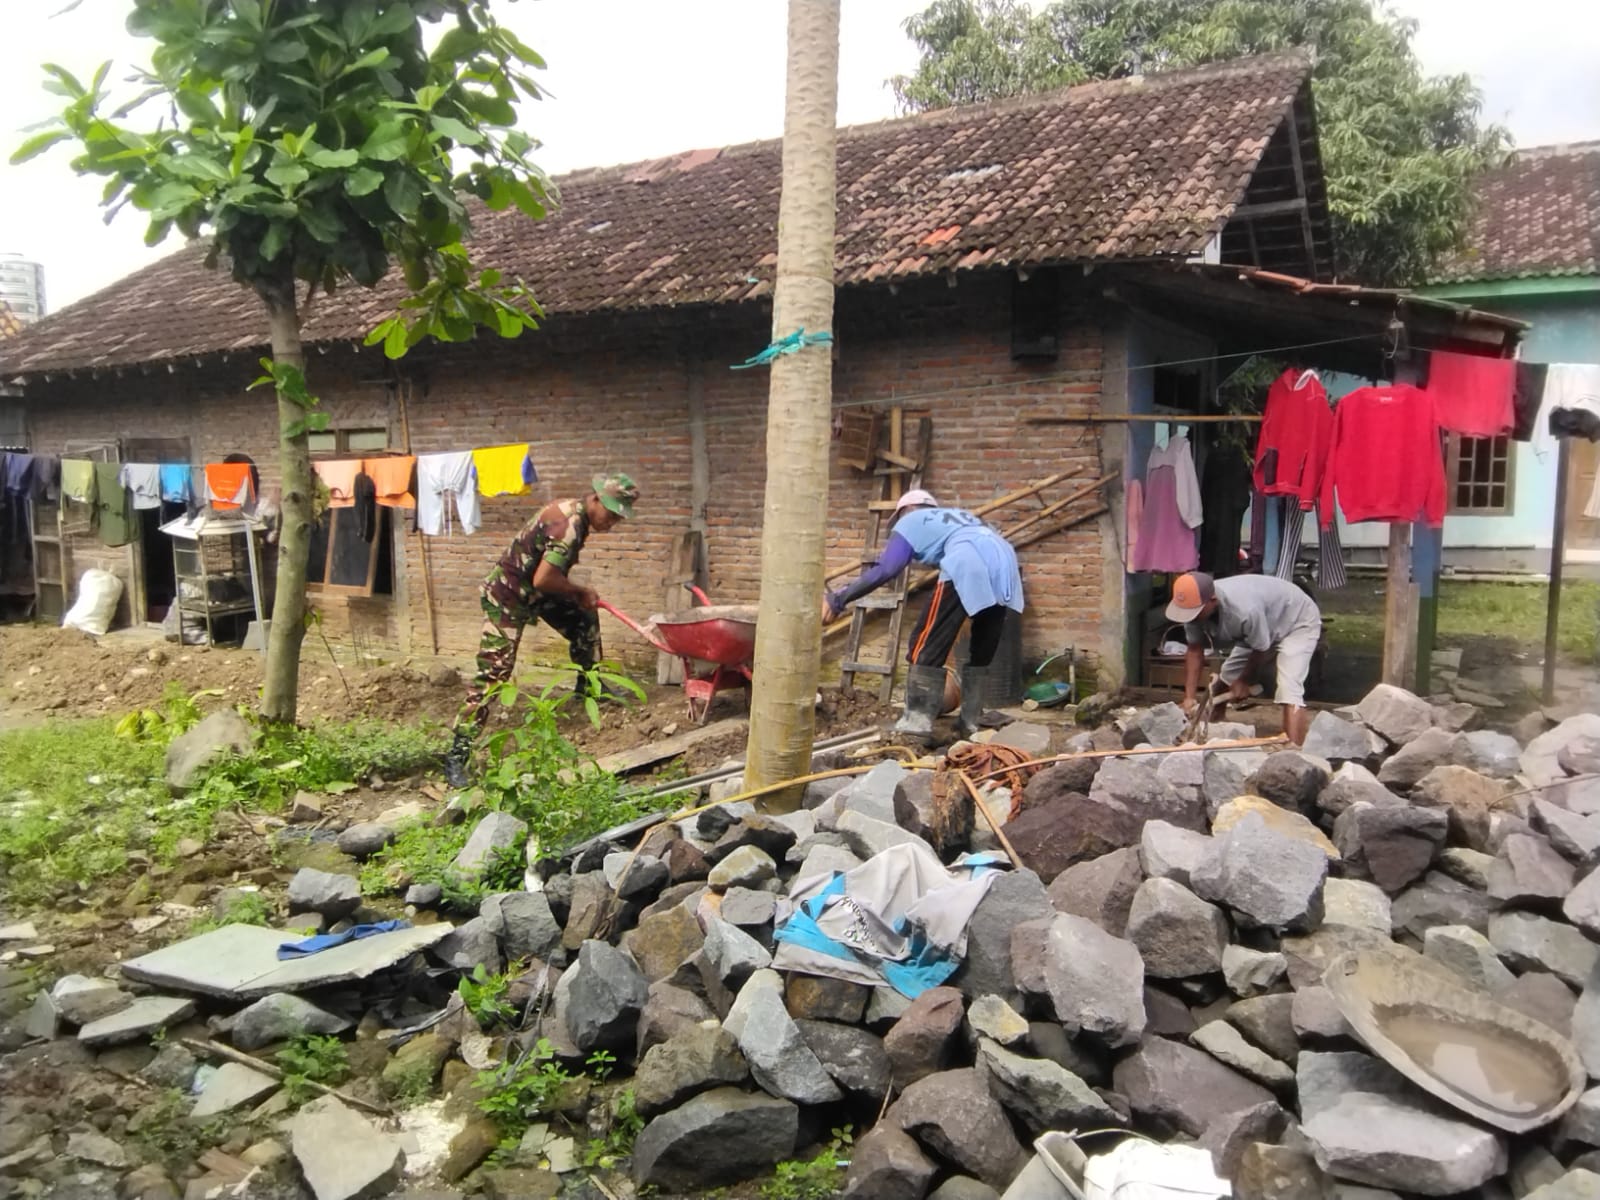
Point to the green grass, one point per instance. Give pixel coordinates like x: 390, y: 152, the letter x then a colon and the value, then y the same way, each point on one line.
x: 1473, y: 610
x: 78, y: 801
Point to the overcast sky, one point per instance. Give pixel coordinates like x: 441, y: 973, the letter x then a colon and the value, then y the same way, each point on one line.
x: 633, y: 79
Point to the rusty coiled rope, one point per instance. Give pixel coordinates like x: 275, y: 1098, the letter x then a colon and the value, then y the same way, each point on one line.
x: 985, y: 760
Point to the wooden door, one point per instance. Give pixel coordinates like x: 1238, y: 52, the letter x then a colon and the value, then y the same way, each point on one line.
x: 1583, y: 533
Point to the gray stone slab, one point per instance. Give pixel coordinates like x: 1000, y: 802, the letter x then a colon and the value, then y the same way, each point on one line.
x: 233, y: 1085
x: 240, y: 962
x: 143, y: 1017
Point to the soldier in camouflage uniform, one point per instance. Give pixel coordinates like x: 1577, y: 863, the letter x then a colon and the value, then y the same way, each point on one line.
x: 530, y: 583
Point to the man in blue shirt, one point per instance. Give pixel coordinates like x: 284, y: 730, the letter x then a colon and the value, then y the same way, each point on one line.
x: 978, y: 579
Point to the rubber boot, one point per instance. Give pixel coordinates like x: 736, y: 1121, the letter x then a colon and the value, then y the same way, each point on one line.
x: 974, y: 687
x: 924, y: 699
x: 456, y: 760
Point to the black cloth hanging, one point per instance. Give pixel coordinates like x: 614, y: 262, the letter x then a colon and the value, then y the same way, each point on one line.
x: 1225, y: 492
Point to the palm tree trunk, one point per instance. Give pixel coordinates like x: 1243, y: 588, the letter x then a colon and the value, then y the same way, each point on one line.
x: 794, y: 525
x: 279, y: 696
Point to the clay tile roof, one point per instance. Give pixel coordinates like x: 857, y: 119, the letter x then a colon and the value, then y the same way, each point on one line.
x: 1135, y: 168
x: 1537, y: 215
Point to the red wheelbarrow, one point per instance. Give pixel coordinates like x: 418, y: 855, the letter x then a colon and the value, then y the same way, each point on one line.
x: 723, y: 635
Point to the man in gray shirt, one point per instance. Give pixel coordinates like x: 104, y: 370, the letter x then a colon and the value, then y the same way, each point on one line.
x: 1261, y: 617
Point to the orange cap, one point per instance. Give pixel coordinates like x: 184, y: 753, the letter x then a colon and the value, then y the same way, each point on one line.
x: 1190, y: 593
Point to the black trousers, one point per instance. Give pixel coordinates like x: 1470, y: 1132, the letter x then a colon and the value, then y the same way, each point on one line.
x: 940, y: 624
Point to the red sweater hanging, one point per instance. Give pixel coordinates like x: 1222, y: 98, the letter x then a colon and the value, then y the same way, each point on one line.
x: 1472, y: 392
x: 1386, y: 462
x: 1296, y: 433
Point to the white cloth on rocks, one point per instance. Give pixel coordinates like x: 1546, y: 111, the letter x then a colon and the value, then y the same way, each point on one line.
x: 899, y: 918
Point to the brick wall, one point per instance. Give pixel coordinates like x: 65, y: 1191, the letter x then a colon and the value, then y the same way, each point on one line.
x: 612, y: 393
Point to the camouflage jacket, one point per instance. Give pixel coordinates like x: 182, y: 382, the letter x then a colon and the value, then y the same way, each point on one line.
x: 556, y: 536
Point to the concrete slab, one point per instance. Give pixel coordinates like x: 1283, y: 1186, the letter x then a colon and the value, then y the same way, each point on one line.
x: 23, y: 932
x: 145, y: 1016
x: 233, y: 1084
x: 240, y: 962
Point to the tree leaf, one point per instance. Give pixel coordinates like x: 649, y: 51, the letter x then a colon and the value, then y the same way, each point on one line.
x: 363, y: 181
x: 248, y: 11
x: 283, y: 50
x: 394, y: 342
x: 38, y: 144
x: 525, y: 200
x: 335, y: 158
x: 458, y: 131
x: 370, y: 59
x: 273, y: 242
x: 287, y: 175
x: 403, y: 193
x: 387, y: 142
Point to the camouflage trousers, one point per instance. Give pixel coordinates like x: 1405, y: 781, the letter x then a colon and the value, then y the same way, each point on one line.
x: 502, y: 634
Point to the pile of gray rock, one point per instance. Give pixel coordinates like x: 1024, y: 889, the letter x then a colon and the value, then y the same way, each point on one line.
x: 1156, y: 966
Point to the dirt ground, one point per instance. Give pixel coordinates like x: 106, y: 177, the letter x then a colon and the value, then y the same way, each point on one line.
x: 47, y: 672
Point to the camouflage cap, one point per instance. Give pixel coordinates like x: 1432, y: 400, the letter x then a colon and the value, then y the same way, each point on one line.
x: 617, y: 493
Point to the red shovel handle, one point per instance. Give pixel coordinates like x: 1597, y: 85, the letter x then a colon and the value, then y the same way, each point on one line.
x: 646, y: 634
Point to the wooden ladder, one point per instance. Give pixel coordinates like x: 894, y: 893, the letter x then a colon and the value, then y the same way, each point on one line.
x: 901, y: 472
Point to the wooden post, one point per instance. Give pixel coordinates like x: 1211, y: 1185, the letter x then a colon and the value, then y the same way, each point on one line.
x: 1399, y: 610
x: 689, y: 552
x: 400, y: 391
x: 1558, y: 554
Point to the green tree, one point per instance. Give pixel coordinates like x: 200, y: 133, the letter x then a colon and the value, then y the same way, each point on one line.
x: 315, y: 143
x: 1400, y: 149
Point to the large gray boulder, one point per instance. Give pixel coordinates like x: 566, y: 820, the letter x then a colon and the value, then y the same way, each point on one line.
x: 664, y: 941
x: 1178, y: 934
x: 497, y: 835
x: 1223, y: 775
x: 887, y: 1164
x: 1392, y: 845
x: 695, y: 1060
x: 1094, y: 981
x: 470, y: 945
x: 872, y: 795
x: 853, y: 1057
x: 1291, y: 779
x: 1102, y: 889
x: 1263, y: 877
x: 1181, y: 1088
x: 1469, y: 954
x: 1040, y: 1093
x: 1340, y: 741
x: 223, y: 734
x: 1015, y: 897
x: 1351, y: 784
x: 280, y: 1017
x: 718, y: 1137
x: 1528, y: 871
x: 1395, y: 714
x: 523, y: 922
x: 343, y: 1155
x: 1468, y: 798
x: 925, y: 1037
x: 334, y: 896
x: 1439, y: 899
x: 1582, y: 907
x: 668, y: 1010
x: 1434, y: 748
x: 1133, y: 787
x: 1490, y: 753
x: 732, y: 954
x: 1321, y: 1077
x: 1167, y: 852
x: 1576, y: 836
x: 1227, y: 1045
x: 1526, y: 942
x: 780, y: 1061
x: 605, y: 994
x: 954, y: 1115
x: 1541, y: 760
x: 1385, y: 1141
x: 1268, y: 1021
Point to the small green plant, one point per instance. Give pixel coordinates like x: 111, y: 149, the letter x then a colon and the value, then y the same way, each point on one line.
x: 532, y: 770
x: 521, y: 1089
x: 242, y: 908
x: 484, y: 994
x: 178, y: 712
x: 163, y: 1130
x: 600, y: 1064
x: 310, y: 1059
x: 623, y: 1126
x: 812, y: 1179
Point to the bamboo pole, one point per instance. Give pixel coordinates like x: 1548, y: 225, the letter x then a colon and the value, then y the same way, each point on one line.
x: 994, y: 825
x: 422, y: 540
x: 218, y: 1050
x: 1237, y: 744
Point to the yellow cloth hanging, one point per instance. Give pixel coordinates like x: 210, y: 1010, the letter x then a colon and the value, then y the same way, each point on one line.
x: 504, y: 470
